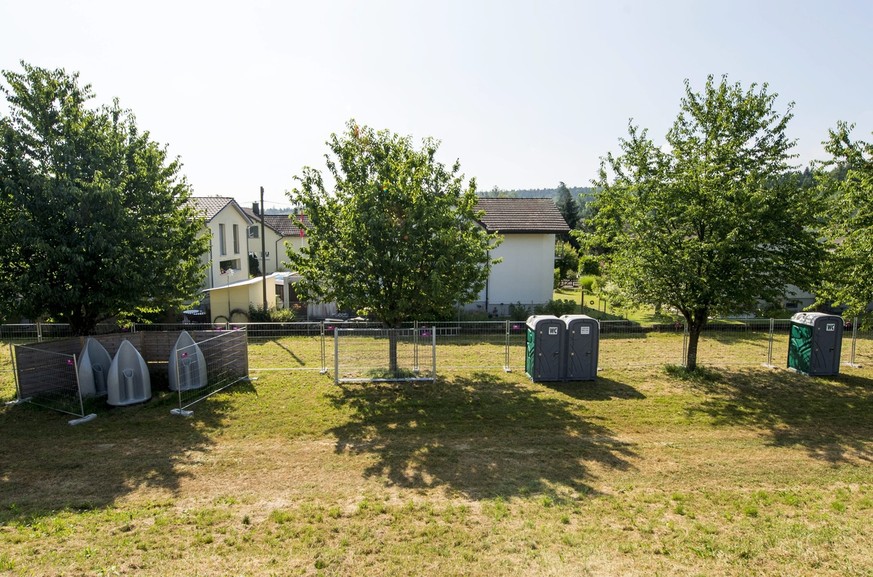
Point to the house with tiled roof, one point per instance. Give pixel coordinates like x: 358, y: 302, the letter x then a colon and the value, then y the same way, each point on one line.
x: 281, y: 231
x: 227, y: 283
x: 525, y: 274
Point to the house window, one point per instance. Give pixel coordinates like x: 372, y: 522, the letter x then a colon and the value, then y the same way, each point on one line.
x: 228, y: 265
x: 222, y: 240
x: 236, y: 239
x: 253, y: 231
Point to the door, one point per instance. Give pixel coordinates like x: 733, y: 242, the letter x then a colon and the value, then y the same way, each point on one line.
x: 827, y: 341
x: 581, y: 350
x: 548, y: 350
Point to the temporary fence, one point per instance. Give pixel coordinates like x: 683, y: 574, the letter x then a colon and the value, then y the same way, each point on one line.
x: 384, y: 355
x: 223, y: 360
x: 495, y: 345
x: 47, y: 379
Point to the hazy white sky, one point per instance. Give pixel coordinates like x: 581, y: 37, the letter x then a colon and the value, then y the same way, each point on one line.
x: 524, y: 94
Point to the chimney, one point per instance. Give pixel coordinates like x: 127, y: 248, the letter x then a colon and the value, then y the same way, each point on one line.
x: 255, y: 208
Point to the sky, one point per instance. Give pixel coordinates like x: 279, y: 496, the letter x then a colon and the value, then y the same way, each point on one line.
x: 525, y: 94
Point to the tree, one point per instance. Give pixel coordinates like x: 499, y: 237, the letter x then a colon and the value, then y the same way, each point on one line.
x: 568, y: 206
x: 566, y: 260
x: 94, y: 219
x: 397, y: 237
x: 706, y: 225
x: 847, y: 182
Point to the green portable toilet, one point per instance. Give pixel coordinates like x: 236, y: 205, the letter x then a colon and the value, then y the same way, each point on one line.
x: 815, y: 343
x: 544, y: 353
x: 582, y: 343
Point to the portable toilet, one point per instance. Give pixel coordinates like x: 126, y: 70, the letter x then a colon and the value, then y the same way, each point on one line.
x: 544, y: 353
x: 815, y: 343
x: 583, y: 343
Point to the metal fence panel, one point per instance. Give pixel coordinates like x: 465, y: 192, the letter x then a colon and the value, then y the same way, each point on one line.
x: 48, y: 379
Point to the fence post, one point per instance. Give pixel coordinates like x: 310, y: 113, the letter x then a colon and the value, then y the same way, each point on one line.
x: 336, y: 331
x: 506, y: 367
x: 433, y: 354
x: 415, y: 367
x: 684, y: 362
x: 323, y: 351
x: 770, y: 345
x: 38, y: 332
x: 854, y: 341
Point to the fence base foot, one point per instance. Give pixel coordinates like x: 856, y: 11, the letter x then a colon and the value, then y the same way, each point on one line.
x: 322, y: 372
x: 507, y: 370
x: 181, y: 412
x: 81, y: 420
x: 768, y: 365
x: 18, y: 402
x: 853, y: 365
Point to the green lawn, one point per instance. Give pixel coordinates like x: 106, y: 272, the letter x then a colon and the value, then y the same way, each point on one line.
x: 601, y: 309
x: 741, y: 470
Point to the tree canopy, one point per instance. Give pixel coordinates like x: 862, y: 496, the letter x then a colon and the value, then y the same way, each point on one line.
x: 397, y: 235
x: 706, y: 224
x: 94, y: 216
x: 846, y: 181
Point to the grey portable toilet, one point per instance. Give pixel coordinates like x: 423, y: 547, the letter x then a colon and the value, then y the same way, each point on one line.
x: 815, y: 343
x: 582, y: 343
x: 544, y: 355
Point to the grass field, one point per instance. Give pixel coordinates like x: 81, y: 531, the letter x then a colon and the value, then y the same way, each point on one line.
x: 739, y: 470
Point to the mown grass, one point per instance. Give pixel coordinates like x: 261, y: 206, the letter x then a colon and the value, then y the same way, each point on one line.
x: 735, y: 470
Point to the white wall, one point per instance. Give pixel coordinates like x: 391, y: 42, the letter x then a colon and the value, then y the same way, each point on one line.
x: 526, y: 274
x: 228, y: 216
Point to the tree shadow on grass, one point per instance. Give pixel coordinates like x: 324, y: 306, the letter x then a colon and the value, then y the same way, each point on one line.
x: 832, y: 418
x: 602, y: 389
x: 481, y: 435
x: 46, y: 465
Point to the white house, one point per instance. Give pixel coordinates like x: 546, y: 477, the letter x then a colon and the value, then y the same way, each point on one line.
x: 281, y: 231
x: 526, y: 274
x: 227, y: 282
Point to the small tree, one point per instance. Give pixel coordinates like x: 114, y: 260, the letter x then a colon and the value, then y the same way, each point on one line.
x: 397, y: 236
x: 566, y: 259
x: 707, y: 226
x: 95, y: 220
x: 846, y: 180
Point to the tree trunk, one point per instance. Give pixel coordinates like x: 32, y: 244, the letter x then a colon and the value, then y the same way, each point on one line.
x: 695, y: 325
x: 392, y: 350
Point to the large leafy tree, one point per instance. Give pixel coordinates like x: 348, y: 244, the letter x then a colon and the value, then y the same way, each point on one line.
x: 397, y: 235
x: 94, y: 216
x: 846, y: 181
x: 707, y: 224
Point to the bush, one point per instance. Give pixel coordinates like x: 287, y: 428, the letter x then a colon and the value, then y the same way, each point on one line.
x: 262, y: 315
x: 556, y: 307
x: 586, y: 283
x: 518, y: 312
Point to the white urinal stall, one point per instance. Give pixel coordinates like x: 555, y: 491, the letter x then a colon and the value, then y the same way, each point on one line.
x: 94, y: 363
x: 187, y: 365
x: 128, y: 381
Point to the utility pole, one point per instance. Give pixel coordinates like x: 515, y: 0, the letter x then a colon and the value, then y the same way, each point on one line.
x: 263, y: 253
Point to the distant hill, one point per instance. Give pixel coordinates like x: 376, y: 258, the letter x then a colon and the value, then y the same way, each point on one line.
x: 583, y: 194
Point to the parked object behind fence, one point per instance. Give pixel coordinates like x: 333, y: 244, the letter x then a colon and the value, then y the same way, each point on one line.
x: 94, y: 363
x: 128, y: 381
